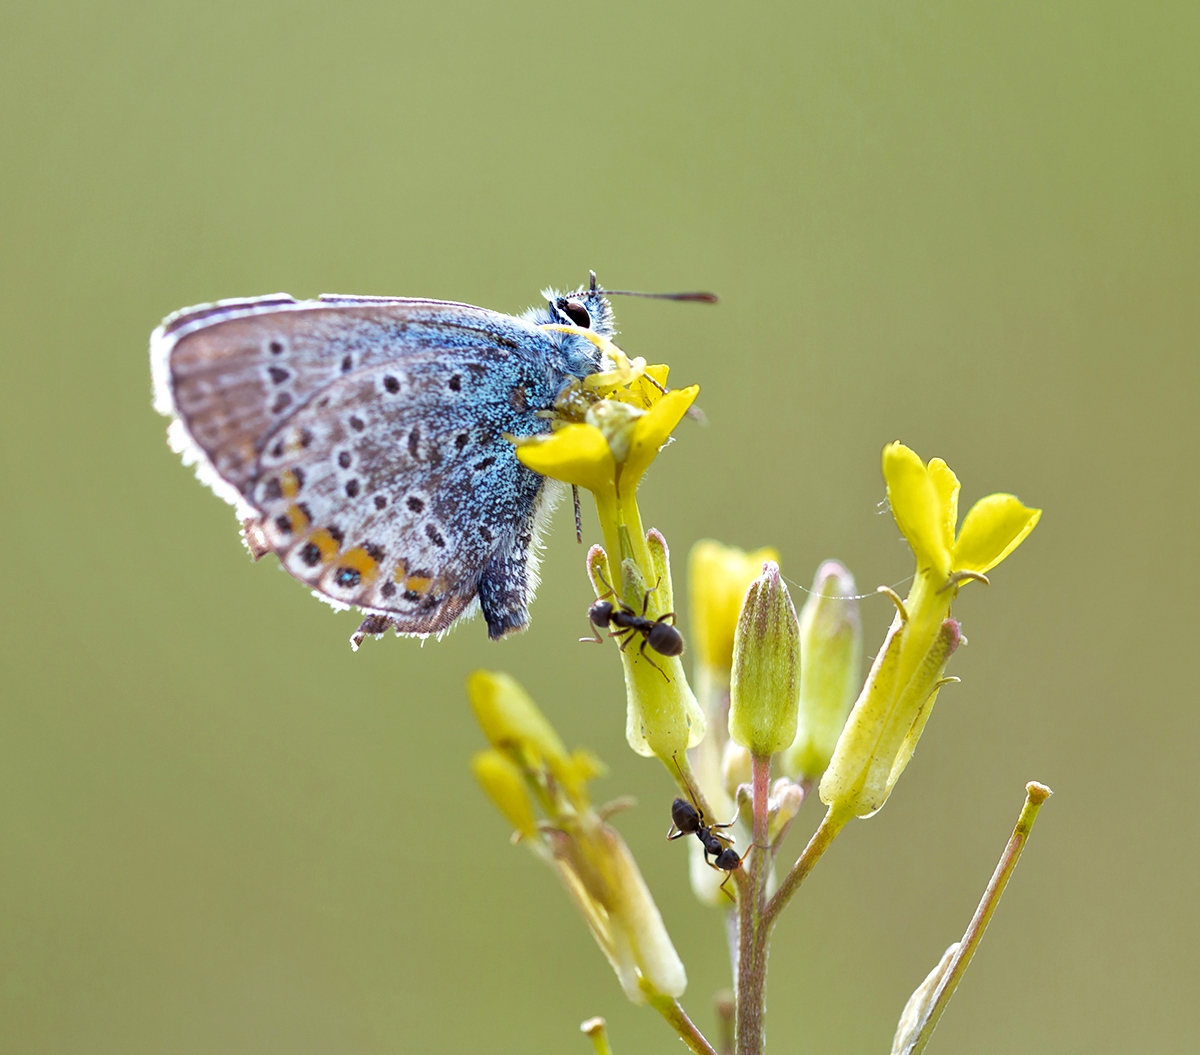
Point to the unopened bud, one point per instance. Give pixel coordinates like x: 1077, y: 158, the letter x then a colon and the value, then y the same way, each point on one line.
x: 784, y: 803
x: 737, y: 767
x: 501, y: 778
x: 916, y: 1011
x: 764, y: 691
x: 830, y: 664
x: 513, y: 723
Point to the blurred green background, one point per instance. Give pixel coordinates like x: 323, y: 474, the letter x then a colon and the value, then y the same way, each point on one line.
x: 973, y: 228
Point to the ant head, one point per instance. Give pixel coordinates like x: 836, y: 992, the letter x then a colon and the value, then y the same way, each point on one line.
x: 728, y: 860
x: 665, y: 639
x: 601, y: 613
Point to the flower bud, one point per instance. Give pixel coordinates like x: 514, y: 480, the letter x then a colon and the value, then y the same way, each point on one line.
x: 830, y: 665
x: 737, y: 768
x: 501, y: 778
x: 784, y: 803
x: 512, y: 722
x: 718, y: 577
x: 602, y: 877
x: 662, y: 716
x: 764, y: 690
x: 916, y: 1011
x: 886, y: 722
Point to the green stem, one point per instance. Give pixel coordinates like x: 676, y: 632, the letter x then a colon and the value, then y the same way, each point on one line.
x: 754, y: 933
x: 834, y: 821
x: 1035, y: 795
x: 671, y: 1010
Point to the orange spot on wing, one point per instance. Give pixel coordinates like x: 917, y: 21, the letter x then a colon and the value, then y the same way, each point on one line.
x: 417, y: 583
x: 361, y: 561
x: 325, y: 542
x: 299, y: 521
x: 288, y: 484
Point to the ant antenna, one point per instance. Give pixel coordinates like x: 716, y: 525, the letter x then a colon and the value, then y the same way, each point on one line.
x: 698, y: 297
x: 687, y: 784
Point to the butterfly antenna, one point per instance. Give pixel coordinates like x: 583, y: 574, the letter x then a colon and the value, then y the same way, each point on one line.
x: 698, y: 297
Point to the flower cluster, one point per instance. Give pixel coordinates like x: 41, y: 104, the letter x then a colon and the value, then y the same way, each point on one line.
x: 775, y: 689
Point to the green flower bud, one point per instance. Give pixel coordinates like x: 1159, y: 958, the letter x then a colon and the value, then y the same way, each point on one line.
x: 764, y: 690
x: 831, y: 670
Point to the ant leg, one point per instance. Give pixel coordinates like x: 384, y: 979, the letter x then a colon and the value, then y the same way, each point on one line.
x: 578, y: 515
x: 627, y: 634
x: 664, y: 617
x: 677, y: 833
x: 646, y: 596
x: 727, y: 824
x: 595, y: 638
x: 728, y: 877
x: 650, y: 661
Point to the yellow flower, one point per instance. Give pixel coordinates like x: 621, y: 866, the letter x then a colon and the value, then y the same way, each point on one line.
x: 515, y: 726
x: 718, y: 578
x: 526, y: 763
x: 629, y: 418
x: 887, y: 720
x: 924, y: 501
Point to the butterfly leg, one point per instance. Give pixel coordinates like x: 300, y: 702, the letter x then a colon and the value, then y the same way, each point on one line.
x: 372, y: 626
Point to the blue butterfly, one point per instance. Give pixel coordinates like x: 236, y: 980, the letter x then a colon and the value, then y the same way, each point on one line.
x: 361, y: 439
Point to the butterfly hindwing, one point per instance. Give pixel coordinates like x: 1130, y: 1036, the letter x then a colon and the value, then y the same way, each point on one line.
x: 363, y: 440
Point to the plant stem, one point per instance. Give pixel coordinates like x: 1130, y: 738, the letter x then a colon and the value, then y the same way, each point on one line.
x: 833, y: 822
x: 673, y: 1012
x: 753, y: 934
x: 1035, y: 795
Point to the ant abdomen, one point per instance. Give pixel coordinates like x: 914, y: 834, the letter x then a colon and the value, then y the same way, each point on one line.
x: 665, y: 639
x: 685, y: 816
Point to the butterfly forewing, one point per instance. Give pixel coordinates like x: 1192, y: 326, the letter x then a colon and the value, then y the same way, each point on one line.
x: 363, y: 440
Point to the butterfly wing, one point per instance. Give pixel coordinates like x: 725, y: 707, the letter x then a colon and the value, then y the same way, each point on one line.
x: 362, y: 441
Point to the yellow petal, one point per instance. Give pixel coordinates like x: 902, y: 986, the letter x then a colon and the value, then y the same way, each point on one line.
x: 501, y: 778
x: 576, y: 454
x: 718, y: 578
x: 946, y: 484
x: 994, y: 527
x: 646, y: 389
x: 512, y: 721
x: 652, y: 431
x: 918, y: 506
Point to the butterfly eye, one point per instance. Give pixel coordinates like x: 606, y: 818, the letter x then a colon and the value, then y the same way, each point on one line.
x: 576, y: 312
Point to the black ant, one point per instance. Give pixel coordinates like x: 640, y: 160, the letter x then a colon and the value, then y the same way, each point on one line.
x: 688, y: 819
x: 660, y: 635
